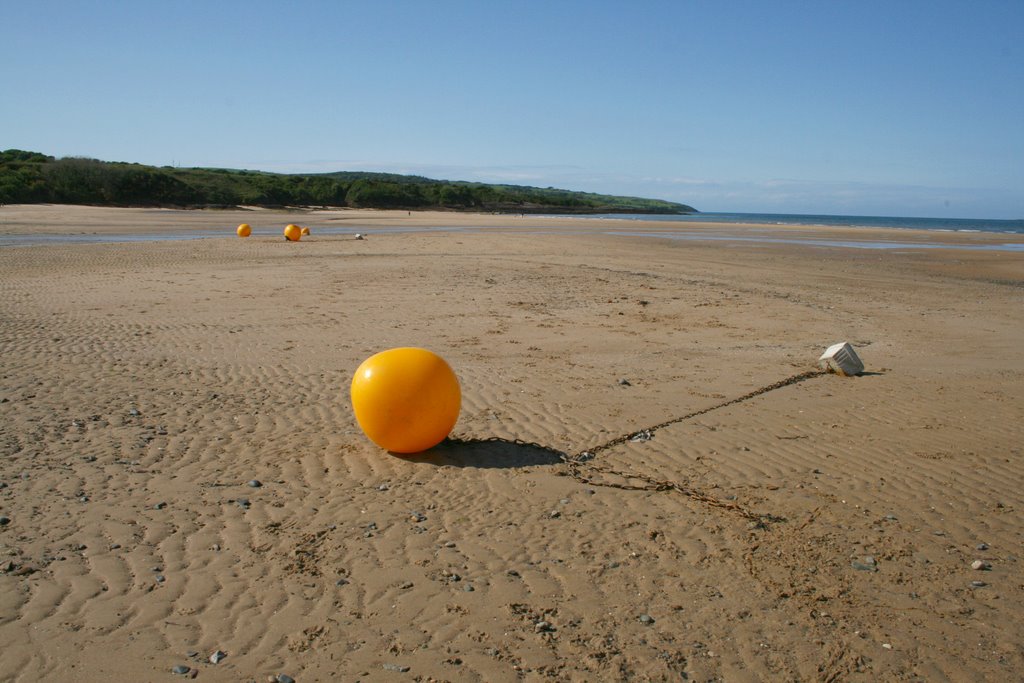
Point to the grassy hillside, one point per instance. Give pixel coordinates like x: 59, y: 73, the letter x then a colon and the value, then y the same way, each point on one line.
x: 31, y: 178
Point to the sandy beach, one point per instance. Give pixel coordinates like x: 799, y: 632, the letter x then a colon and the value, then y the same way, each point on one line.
x: 181, y: 472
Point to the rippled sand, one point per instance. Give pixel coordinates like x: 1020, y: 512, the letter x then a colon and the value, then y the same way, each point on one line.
x: 145, y: 384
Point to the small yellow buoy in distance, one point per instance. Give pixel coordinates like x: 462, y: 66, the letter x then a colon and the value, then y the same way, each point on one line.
x: 244, y: 230
x: 406, y: 400
x: 305, y: 231
x: 292, y: 232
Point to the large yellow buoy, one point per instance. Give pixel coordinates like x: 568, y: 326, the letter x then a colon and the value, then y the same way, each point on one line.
x: 244, y: 230
x: 406, y: 400
x: 305, y: 231
x: 292, y: 232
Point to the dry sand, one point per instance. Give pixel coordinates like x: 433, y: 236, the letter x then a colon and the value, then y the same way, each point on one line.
x: 144, y: 384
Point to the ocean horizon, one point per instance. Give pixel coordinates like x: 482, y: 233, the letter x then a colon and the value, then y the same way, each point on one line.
x: 899, y: 222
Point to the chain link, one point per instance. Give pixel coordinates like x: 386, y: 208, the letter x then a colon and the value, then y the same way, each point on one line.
x: 582, y: 468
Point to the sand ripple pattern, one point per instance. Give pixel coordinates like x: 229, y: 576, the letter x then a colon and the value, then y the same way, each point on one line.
x: 145, y: 386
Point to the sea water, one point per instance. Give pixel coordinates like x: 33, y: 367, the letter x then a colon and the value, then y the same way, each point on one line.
x: 939, y: 224
x: 1010, y: 228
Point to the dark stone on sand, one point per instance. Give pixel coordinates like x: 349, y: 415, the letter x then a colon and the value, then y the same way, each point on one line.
x: 285, y: 678
x: 160, y: 506
x: 646, y: 619
x: 255, y: 483
x: 181, y: 669
x: 4, y: 520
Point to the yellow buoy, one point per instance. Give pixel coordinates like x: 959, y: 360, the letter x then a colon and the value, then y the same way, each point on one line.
x: 292, y: 232
x: 305, y: 231
x: 406, y: 400
x: 244, y: 230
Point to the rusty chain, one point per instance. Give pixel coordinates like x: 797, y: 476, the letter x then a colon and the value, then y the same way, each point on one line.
x: 583, y: 460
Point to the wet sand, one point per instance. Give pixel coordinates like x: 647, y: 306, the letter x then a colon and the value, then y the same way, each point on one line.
x: 824, y: 530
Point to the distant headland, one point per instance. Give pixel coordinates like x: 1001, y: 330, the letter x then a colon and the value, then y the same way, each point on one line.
x: 36, y: 178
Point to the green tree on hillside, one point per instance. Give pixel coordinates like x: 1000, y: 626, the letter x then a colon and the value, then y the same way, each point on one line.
x: 33, y: 177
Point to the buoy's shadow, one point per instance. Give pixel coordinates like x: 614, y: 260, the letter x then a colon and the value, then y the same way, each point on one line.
x: 491, y: 453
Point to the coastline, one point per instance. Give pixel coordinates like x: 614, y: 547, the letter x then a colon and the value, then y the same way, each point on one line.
x: 53, y: 221
x: 825, y: 529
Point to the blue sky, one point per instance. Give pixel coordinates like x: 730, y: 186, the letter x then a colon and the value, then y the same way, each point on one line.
x: 887, y: 108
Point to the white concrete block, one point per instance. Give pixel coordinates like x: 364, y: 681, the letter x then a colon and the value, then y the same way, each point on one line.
x: 841, y: 359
